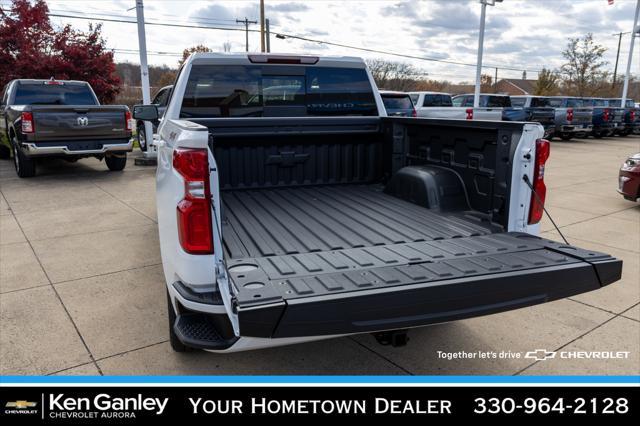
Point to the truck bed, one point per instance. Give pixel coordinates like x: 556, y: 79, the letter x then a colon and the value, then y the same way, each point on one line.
x: 298, y: 220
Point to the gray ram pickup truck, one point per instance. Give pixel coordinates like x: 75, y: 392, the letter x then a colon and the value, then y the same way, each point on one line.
x: 62, y: 118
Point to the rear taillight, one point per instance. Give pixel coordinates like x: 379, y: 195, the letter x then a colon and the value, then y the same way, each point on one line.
x: 469, y: 112
x: 536, y: 210
x: 569, y: 114
x: 28, y: 125
x: 194, y: 210
x: 605, y: 114
x: 415, y: 114
x: 632, y: 116
x: 128, y: 120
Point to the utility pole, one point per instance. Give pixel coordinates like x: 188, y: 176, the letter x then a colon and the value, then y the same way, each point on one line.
x: 483, y: 13
x: 267, y: 35
x: 150, y: 154
x: 495, y: 82
x: 262, y: 46
x: 615, y: 69
x: 634, y: 33
x: 246, y: 23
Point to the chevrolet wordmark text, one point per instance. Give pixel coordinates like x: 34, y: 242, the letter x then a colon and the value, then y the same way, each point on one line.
x: 292, y: 208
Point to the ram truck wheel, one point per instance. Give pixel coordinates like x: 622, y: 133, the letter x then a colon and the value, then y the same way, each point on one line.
x: 116, y: 163
x: 25, y: 166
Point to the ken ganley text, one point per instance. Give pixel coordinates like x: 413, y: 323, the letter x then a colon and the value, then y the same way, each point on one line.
x: 319, y: 406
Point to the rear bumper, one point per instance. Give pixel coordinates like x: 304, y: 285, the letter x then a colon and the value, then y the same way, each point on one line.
x: 35, y: 149
x: 574, y: 128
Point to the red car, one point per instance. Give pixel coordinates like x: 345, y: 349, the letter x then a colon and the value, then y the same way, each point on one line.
x: 629, y: 178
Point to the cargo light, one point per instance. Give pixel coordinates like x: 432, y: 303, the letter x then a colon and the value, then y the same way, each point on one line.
x: 28, y: 125
x: 194, y: 210
x: 282, y: 59
x: 539, y: 193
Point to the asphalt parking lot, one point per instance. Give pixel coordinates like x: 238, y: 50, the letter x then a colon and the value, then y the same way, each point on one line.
x: 82, y: 290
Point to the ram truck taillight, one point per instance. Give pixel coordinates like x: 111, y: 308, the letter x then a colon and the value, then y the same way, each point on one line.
x: 194, y: 210
x: 128, y: 121
x: 569, y: 115
x: 605, y: 114
x: 539, y: 193
x: 28, y: 125
x: 469, y: 112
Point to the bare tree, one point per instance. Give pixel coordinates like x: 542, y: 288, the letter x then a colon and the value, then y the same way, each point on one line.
x: 394, y: 75
x: 547, y: 83
x: 583, y: 74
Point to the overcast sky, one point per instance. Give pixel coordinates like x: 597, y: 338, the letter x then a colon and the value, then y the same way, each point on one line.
x: 523, y: 34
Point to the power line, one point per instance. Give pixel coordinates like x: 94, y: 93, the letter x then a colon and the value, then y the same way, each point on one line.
x: 295, y: 37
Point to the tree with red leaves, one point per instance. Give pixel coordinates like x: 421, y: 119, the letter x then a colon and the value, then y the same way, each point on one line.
x: 31, y: 48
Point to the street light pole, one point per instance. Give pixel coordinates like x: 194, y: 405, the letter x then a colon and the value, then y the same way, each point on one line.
x: 144, y: 77
x: 483, y: 13
x: 634, y: 33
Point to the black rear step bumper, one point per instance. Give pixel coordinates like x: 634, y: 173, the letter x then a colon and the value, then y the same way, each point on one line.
x: 479, y: 276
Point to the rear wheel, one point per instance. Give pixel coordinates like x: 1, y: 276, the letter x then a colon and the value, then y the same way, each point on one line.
x: 598, y: 134
x: 176, y: 344
x: 115, y: 163
x: 566, y: 136
x: 142, y: 140
x: 25, y: 166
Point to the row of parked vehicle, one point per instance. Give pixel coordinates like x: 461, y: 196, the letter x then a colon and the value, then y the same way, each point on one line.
x: 565, y: 117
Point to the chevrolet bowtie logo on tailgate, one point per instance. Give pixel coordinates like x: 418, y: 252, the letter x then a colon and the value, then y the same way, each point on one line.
x: 83, y: 121
x: 287, y: 159
x: 540, y: 354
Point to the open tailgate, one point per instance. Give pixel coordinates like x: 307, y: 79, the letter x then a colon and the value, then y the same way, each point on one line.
x: 410, y: 284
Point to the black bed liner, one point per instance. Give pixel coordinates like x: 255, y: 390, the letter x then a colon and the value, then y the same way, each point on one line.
x: 349, y: 259
x: 274, y: 222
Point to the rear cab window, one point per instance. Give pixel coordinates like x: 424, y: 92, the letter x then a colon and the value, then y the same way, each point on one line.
x: 257, y: 90
x: 433, y: 100
x: 519, y: 102
x: 396, y: 101
x: 45, y: 93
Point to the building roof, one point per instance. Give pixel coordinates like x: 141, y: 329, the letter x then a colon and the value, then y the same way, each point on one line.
x: 527, y: 87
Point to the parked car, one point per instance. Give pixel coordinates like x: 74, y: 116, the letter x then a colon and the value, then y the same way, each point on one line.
x: 572, y: 117
x: 631, y: 118
x: 319, y: 216
x: 397, y: 104
x: 606, y: 119
x: 532, y: 108
x: 161, y: 99
x: 629, y: 178
x: 62, y: 118
x: 441, y: 105
x: 490, y: 107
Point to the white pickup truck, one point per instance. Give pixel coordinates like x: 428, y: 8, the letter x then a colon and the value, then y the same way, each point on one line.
x: 440, y: 105
x: 311, y: 214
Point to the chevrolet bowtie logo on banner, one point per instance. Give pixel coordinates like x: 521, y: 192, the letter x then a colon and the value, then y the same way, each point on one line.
x: 540, y: 354
x: 21, y: 405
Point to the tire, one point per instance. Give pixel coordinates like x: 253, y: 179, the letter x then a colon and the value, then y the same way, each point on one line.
x: 566, y: 136
x: 25, y: 166
x: 176, y: 344
x: 142, y: 141
x: 116, y: 164
x: 598, y: 134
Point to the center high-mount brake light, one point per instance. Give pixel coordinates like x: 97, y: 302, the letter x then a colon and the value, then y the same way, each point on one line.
x: 539, y: 193
x: 28, y: 126
x: 569, y: 115
x: 283, y: 59
x: 469, y: 112
x: 194, y: 210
